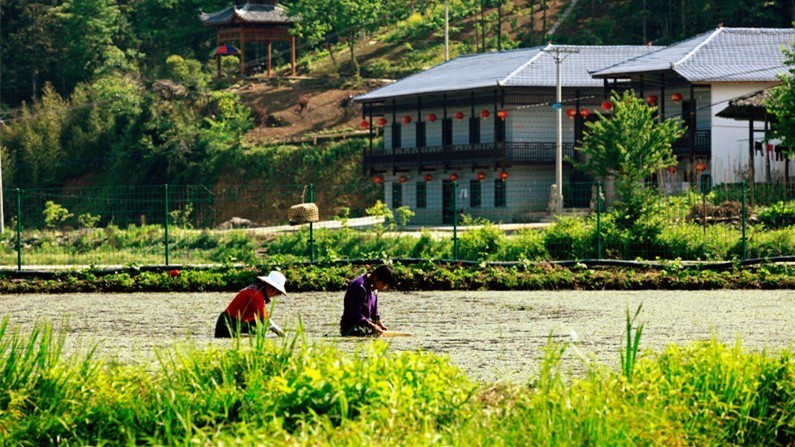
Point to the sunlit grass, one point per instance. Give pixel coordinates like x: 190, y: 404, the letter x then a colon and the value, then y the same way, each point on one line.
x: 262, y: 391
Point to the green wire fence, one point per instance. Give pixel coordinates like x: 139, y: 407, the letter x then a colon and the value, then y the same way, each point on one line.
x: 197, y: 225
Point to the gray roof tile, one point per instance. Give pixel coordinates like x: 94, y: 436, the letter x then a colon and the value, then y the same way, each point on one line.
x: 248, y: 13
x: 527, y: 67
x: 721, y: 55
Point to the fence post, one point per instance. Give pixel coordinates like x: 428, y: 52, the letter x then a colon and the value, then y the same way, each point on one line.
x: 455, y: 220
x: 165, y: 208
x: 19, y: 229
x: 743, y: 214
x: 598, y: 220
x: 311, y: 229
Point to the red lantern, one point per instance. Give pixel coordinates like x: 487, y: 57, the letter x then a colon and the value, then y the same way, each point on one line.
x: 502, y: 114
x: 453, y: 177
x: 672, y: 169
x: 377, y: 179
x: 431, y: 117
x: 459, y: 115
x: 607, y: 105
x: 484, y: 113
x: 428, y: 177
x: 406, y: 119
x: 503, y: 176
x: 403, y: 179
x: 677, y: 97
x: 701, y: 166
x: 652, y: 99
x: 571, y: 113
x: 584, y: 113
x: 382, y: 122
x: 364, y: 124
x: 480, y: 176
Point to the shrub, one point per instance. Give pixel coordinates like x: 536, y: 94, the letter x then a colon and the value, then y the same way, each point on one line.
x: 777, y: 215
x: 568, y: 239
x: 55, y: 214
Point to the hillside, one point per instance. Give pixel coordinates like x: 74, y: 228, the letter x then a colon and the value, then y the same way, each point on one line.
x: 315, y: 105
x: 417, y: 43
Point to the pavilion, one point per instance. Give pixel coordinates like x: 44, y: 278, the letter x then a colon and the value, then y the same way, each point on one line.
x: 255, y: 21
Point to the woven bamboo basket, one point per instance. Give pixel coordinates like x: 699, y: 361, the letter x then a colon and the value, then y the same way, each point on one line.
x: 303, y: 213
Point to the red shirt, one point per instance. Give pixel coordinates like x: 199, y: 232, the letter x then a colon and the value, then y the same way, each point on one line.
x: 248, y: 305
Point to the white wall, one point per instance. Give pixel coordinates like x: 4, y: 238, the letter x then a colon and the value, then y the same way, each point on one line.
x: 730, y: 137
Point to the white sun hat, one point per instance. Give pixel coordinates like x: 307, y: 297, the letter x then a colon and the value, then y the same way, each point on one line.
x: 276, y: 279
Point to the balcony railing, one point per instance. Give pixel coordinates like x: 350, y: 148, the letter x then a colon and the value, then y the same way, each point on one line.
x: 703, y: 144
x: 483, y: 153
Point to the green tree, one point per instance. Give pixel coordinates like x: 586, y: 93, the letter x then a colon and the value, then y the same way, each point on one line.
x: 781, y: 103
x: 35, y: 141
x: 91, y: 29
x: 630, y: 146
x: 330, y: 19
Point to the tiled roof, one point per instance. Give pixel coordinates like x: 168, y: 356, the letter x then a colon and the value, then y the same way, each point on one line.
x: 722, y: 55
x: 528, y: 67
x: 747, y: 107
x: 248, y: 13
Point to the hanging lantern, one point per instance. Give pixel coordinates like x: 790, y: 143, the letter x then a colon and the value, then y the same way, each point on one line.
x: 584, y: 113
x: 672, y: 169
x: 480, y: 176
x: 382, y: 122
x: 502, y: 114
x: 677, y: 97
x: 484, y: 113
x: 364, y: 124
x: 503, y: 176
x: 377, y: 179
x: 453, y: 177
x: 701, y: 166
x: 431, y: 117
x: 403, y: 179
x: 428, y: 177
x: 459, y: 115
x: 607, y: 105
x: 406, y: 119
x: 571, y: 113
x: 652, y: 99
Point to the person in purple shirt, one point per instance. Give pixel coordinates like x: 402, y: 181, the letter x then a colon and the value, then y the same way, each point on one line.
x: 360, y: 315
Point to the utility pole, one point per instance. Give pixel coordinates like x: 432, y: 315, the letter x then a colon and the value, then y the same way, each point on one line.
x: 446, y: 32
x: 559, y: 54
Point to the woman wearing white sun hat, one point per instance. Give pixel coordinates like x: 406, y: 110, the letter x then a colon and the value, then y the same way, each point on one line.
x: 248, y: 308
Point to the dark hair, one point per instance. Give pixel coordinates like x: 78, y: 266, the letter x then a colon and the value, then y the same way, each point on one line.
x: 385, y: 273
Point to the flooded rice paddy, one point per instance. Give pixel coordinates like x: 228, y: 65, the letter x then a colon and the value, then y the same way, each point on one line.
x: 491, y: 335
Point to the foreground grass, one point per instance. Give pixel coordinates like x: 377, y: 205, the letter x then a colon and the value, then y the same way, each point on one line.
x: 290, y: 392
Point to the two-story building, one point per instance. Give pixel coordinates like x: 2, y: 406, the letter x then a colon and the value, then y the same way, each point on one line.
x: 696, y: 79
x: 488, y: 123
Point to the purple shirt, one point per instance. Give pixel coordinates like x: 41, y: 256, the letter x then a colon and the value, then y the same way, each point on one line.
x: 361, y: 304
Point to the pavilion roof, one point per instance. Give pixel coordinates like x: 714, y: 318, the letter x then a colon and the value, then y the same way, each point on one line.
x: 263, y: 13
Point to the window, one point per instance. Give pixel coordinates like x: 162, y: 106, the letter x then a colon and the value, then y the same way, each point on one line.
x: 474, y: 193
x: 499, y: 193
x: 447, y: 131
x: 499, y: 130
x: 397, y: 195
x: 422, y: 195
x: 420, y: 134
x: 474, y: 130
x: 396, y: 135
